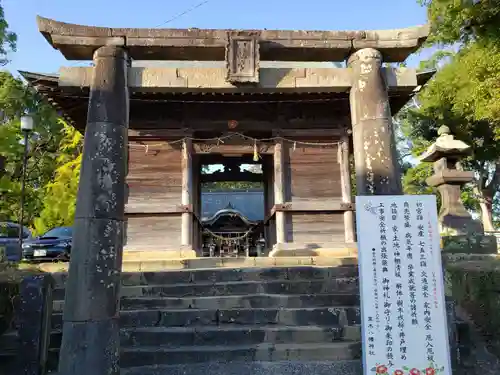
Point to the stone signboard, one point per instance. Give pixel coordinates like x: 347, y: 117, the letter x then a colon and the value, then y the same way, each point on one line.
x: 402, y: 294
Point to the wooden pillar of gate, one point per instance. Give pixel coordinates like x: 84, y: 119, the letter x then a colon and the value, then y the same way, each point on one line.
x: 346, y: 188
x: 187, y: 196
x: 279, y: 190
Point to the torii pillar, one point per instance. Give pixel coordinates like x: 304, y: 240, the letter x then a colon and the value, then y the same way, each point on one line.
x: 90, y: 343
x: 375, y: 155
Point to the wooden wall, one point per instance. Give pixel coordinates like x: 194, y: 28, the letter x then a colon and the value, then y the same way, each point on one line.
x: 153, y: 232
x: 154, y: 196
x: 314, y: 194
x: 316, y: 228
x: 314, y: 175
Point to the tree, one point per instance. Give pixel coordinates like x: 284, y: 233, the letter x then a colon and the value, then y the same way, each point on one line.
x: 16, y: 99
x: 53, y: 167
x: 230, y: 185
x: 59, y: 201
x: 463, y: 21
x: 474, y: 71
x: 8, y: 39
x: 465, y: 97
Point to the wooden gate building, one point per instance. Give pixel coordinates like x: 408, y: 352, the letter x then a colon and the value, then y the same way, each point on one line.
x: 234, y: 97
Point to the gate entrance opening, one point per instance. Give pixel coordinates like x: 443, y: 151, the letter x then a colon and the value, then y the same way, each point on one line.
x: 232, y: 193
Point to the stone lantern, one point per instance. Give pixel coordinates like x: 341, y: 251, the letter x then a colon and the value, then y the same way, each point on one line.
x: 448, y: 178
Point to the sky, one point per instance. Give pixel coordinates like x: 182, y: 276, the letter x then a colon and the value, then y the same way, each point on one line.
x: 36, y: 55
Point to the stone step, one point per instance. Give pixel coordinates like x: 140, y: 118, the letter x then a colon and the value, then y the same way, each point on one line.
x: 239, y: 274
x: 216, y: 275
x: 174, y: 337
x: 9, y: 352
x: 286, y: 251
x: 343, y: 357
x: 9, y: 342
x: 189, y: 317
x: 352, y: 367
x: 229, y: 336
x: 146, y: 356
x: 233, y: 302
x: 238, y: 302
x: 348, y: 285
x: 152, y: 265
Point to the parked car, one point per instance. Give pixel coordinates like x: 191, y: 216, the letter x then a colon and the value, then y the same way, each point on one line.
x: 10, y: 247
x: 55, y: 244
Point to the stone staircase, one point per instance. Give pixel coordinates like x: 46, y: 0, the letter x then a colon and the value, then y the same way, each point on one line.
x: 247, y: 320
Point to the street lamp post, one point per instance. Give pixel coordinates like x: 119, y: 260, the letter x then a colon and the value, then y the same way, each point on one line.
x: 26, y: 128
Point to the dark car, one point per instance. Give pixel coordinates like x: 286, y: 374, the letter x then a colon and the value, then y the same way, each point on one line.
x: 10, y: 247
x: 55, y: 244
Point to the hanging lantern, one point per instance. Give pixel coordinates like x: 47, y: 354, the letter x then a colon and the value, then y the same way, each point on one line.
x: 232, y: 124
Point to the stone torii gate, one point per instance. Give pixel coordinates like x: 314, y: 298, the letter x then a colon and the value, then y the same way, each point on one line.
x: 90, y: 331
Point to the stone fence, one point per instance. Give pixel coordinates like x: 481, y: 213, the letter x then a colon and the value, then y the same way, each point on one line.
x: 28, y: 338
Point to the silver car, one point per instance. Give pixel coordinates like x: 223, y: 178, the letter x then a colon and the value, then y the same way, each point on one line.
x: 10, y: 248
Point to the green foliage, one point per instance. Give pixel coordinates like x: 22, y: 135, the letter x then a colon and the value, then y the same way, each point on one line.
x: 226, y: 185
x: 8, y: 39
x: 462, y: 20
x: 464, y: 95
x: 60, y: 194
x: 440, y: 104
x: 414, y: 179
x: 467, y: 91
x: 60, y: 199
x: 16, y: 99
x: 52, y: 145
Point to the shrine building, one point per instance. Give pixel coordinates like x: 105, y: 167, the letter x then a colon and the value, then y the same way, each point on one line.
x: 288, y: 113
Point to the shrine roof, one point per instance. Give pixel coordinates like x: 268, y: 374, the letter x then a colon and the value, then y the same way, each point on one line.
x: 249, y: 203
x: 78, y: 42
x: 172, y: 108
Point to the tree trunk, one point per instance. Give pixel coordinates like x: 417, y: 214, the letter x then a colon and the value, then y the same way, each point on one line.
x: 485, y: 199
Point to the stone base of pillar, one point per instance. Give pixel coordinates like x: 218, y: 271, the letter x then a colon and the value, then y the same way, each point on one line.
x: 453, y: 224
x: 326, y: 249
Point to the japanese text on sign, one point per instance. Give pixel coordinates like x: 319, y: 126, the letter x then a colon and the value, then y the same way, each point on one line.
x: 401, y: 282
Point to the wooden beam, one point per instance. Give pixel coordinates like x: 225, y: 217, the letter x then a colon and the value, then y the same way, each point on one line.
x: 229, y: 176
x: 221, y: 159
x: 158, y: 208
x: 232, y: 149
x: 154, y: 214
x: 158, y: 134
x: 316, y: 134
x: 253, y: 111
x: 328, y: 126
x: 328, y: 206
